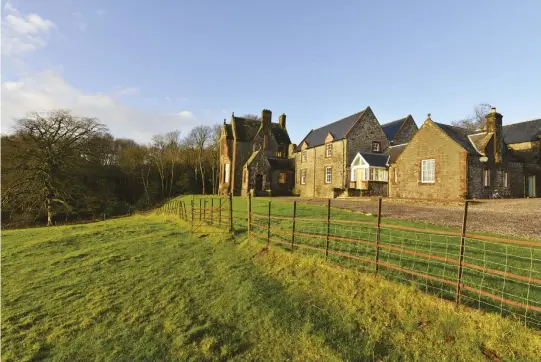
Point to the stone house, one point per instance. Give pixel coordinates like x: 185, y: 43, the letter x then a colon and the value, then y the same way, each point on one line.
x: 447, y: 162
x: 254, y: 156
x: 323, y: 158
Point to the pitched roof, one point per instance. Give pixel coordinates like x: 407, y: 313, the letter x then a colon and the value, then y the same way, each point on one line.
x: 395, y: 151
x: 252, y: 157
x: 480, y: 140
x: 522, y: 132
x: 338, y: 129
x: 281, y: 163
x: 246, y: 129
x: 375, y: 159
x: 280, y: 134
x: 228, y: 131
x: 460, y: 136
x: 391, y: 128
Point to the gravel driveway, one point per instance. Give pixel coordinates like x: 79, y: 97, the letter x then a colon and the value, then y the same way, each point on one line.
x: 516, y: 217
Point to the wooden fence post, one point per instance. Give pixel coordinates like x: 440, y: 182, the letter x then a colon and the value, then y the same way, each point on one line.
x: 191, y: 228
x: 231, y: 212
x: 205, y: 210
x: 211, y: 210
x: 220, y: 212
x: 293, y: 228
x: 461, y: 259
x: 268, y: 226
x: 249, y: 215
x: 200, y: 208
x: 328, y: 227
x: 378, y: 234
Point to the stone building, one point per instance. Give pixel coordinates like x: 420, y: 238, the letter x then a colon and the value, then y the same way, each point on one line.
x: 323, y: 159
x: 254, y: 156
x: 447, y: 162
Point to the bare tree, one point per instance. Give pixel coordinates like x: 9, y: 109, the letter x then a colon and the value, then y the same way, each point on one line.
x: 214, y: 155
x: 475, y: 121
x: 198, y: 139
x: 253, y: 117
x: 51, y: 150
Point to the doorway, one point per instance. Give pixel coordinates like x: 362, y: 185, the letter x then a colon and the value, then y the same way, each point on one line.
x: 531, y: 186
x: 259, y: 182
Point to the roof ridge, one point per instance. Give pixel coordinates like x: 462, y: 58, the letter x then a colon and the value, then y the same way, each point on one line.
x: 341, y: 119
x: 395, y: 121
x: 521, y: 122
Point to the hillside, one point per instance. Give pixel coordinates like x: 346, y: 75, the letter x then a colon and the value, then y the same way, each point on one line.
x: 144, y: 288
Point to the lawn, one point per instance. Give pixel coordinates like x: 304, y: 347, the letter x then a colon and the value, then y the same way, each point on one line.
x: 142, y: 288
x: 507, y: 271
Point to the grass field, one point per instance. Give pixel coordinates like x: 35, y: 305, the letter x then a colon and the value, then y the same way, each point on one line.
x: 142, y: 288
x: 504, y: 270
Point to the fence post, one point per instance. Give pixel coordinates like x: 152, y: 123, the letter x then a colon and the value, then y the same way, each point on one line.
x: 205, y: 210
x: 378, y: 234
x: 268, y: 226
x: 328, y: 227
x: 211, y: 210
x: 231, y: 212
x: 249, y: 215
x: 461, y: 259
x: 191, y: 228
x: 293, y: 229
x: 220, y: 212
x: 200, y: 208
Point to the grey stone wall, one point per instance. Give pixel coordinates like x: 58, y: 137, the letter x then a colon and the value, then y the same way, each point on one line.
x: 406, y: 133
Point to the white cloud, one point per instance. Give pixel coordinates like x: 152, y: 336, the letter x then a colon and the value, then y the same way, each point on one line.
x: 23, y: 34
x: 79, y: 21
x: 48, y: 90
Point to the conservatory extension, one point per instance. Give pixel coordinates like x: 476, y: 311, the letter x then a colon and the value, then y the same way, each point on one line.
x: 369, y: 174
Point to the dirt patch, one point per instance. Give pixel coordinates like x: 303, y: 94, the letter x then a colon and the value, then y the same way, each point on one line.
x: 513, y: 217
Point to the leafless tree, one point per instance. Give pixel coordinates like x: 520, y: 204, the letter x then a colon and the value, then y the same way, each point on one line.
x: 254, y: 117
x: 475, y: 121
x: 199, y: 138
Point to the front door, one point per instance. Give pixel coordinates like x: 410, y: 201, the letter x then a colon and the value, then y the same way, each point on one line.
x: 531, y: 186
x: 259, y: 182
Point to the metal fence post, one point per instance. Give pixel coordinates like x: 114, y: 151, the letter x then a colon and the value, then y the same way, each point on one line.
x: 200, y: 208
x: 191, y: 228
x: 293, y: 228
x: 328, y: 227
x: 268, y: 226
x: 211, y: 210
x: 378, y: 234
x: 231, y: 212
x: 249, y: 215
x: 461, y: 259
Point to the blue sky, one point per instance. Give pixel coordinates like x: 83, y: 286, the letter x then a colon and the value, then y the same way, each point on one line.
x: 152, y: 67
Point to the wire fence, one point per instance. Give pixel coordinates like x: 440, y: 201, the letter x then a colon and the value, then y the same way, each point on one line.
x: 490, y: 273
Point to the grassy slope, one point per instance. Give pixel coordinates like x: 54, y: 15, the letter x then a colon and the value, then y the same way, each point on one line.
x: 142, y: 288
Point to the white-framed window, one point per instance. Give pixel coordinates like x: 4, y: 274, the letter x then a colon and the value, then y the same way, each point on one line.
x: 378, y: 174
x: 428, y: 171
x: 328, y: 175
x: 328, y: 150
x: 303, y: 156
x: 226, y: 173
x: 505, y: 179
x: 486, y: 177
x: 376, y: 146
x: 353, y: 174
x: 303, y: 177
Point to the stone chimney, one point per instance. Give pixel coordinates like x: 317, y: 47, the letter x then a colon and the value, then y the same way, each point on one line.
x: 494, y: 125
x: 266, y: 117
x: 282, y: 120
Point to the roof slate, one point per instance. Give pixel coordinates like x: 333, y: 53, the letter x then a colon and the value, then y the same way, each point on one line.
x: 228, y: 131
x: 522, y: 132
x: 280, y: 134
x: 246, y: 129
x: 375, y: 159
x: 281, y: 163
x: 394, y: 152
x: 459, y: 135
x: 391, y: 128
x: 338, y: 129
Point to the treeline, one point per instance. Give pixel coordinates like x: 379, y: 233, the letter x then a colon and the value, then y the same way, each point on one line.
x: 59, y: 168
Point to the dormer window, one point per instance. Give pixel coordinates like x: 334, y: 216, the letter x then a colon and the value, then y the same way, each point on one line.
x: 328, y: 150
x: 376, y: 146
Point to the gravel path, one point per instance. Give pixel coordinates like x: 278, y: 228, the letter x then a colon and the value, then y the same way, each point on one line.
x: 517, y: 217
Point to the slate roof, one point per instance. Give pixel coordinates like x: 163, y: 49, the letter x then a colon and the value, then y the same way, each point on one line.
x: 281, y: 163
x: 375, y: 159
x: 522, y: 132
x: 395, y: 151
x: 246, y: 129
x: 280, y: 134
x: 460, y: 135
x: 251, y: 158
x: 390, y: 129
x: 228, y: 131
x: 338, y: 129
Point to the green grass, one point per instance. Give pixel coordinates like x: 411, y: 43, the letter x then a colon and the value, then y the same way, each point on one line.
x: 142, y: 288
x: 501, y: 257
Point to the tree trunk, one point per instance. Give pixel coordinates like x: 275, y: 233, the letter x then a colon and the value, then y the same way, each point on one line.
x: 49, y: 212
x: 202, y: 177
